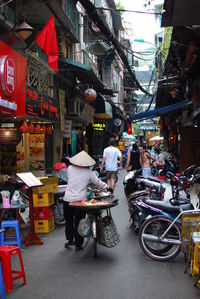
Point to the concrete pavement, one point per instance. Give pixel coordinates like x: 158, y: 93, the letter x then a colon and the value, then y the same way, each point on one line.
x: 123, y: 272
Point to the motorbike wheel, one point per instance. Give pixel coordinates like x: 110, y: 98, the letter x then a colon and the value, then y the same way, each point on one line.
x: 59, y: 213
x: 150, y: 243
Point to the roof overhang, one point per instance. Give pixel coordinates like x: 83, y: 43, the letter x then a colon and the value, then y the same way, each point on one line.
x: 83, y: 72
x: 161, y: 111
x: 45, y: 10
x: 180, y: 13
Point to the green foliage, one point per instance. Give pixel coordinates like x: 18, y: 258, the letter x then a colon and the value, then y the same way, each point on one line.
x: 120, y: 6
x: 167, y: 40
x: 136, y: 129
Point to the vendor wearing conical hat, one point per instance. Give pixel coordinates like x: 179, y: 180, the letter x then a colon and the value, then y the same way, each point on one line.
x: 79, y: 176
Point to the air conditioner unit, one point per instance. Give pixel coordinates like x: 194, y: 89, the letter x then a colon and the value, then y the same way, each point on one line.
x: 74, y: 107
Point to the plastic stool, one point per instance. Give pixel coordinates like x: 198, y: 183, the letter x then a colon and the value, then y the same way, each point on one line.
x: 6, y: 253
x: 2, y: 287
x: 11, y: 241
x: 195, y: 267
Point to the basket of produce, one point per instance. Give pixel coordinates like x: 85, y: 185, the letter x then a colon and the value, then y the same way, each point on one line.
x: 96, y: 193
x: 93, y: 204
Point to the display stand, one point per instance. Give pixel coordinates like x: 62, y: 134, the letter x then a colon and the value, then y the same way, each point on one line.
x: 31, y: 181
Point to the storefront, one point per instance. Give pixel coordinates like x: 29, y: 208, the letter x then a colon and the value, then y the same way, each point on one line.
x: 99, y: 132
x: 12, y: 105
x: 42, y: 115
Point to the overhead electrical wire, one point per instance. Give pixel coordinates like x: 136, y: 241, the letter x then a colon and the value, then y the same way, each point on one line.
x: 128, y: 10
x: 2, y: 5
x: 91, y: 10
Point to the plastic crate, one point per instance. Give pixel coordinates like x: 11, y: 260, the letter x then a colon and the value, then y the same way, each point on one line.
x: 43, y: 200
x: 44, y: 226
x: 44, y: 213
x: 50, y: 184
x: 189, y: 224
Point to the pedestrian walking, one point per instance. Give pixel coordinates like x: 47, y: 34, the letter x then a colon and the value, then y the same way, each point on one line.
x: 145, y: 161
x: 111, y: 156
x: 79, y: 176
x: 133, y: 158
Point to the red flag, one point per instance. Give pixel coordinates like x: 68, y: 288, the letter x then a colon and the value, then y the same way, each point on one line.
x: 47, y: 40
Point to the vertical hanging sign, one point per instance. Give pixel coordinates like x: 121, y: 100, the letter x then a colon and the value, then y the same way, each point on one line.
x: 61, y: 94
x: 68, y: 129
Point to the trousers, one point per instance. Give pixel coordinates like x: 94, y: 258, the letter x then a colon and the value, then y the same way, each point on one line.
x: 72, y: 219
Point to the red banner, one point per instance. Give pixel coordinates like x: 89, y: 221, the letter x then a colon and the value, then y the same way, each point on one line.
x: 12, y: 81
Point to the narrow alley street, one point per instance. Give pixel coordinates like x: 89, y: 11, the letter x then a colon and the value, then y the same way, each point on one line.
x: 122, y: 272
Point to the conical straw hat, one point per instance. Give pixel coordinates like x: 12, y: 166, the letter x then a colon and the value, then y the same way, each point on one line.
x: 82, y: 159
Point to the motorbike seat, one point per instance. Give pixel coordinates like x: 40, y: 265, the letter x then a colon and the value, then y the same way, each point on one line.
x: 136, y: 194
x: 154, y: 179
x: 168, y: 207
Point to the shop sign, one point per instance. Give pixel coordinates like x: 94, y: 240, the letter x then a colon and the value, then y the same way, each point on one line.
x: 12, y: 81
x: 9, y: 136
x: 67, y: 129
x: 148, y: 127
x: 41, y: 105
x: 99, y: 126
x: 87, y: 113
x: 117, y: 122
x: 7, y: 125
x: 61, y: 94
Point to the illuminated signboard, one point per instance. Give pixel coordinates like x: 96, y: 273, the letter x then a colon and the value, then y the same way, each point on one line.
x: 99, y: 126
x: 12, y: 81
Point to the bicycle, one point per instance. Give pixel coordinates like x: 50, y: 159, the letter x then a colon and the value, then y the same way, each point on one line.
x: 160, y: 236
x: 94, y: 213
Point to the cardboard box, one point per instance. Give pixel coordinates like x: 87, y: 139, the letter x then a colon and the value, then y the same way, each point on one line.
x: 50, y: 184
x: 44, y: 213
x: 43, y: 200
x: 44, y: 226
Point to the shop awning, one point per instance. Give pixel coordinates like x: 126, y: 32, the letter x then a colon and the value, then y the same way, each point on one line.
x: 83, y: 72
x: 180, y: 13
x: 103, y: 109
x: 160, y: 111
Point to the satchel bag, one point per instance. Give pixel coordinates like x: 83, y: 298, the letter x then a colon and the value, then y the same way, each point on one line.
x: 108, y: 235
x: 84, y: 227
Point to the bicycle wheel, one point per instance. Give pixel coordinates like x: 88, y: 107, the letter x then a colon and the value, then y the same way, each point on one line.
x: 152, y: 245
x: 95, y: 247
x: 94, y: 235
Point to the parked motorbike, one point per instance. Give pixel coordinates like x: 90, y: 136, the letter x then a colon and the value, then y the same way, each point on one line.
x: 160, y: 233
x: 137, y: 187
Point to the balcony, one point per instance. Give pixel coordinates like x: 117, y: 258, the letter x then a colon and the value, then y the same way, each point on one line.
x: 90, y: 60
x: 73, y: 15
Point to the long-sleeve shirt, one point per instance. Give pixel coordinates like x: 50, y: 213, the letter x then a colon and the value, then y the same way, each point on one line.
x: 78, y: 179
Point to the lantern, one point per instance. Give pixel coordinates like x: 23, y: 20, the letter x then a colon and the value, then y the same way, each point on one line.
x: 30, y: 127
x: 37, y: 129
x: 43, y: 129
x: 23, y: 128
x: 90, y: 95
x: 49, y: 129
x: 129, y: 130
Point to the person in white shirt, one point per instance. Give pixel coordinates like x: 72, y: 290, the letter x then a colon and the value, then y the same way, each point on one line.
x: 79, y: 176
x: 111, y: 156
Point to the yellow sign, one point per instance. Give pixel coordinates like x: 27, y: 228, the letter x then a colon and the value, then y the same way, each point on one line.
x: 99, y: 126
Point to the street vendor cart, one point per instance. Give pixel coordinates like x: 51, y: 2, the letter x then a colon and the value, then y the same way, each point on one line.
x: 95, y: 209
